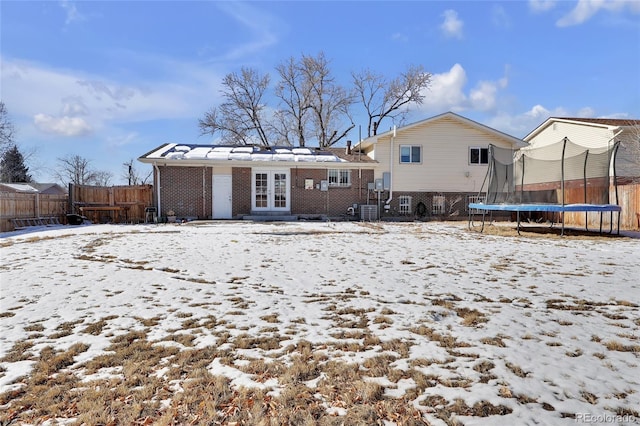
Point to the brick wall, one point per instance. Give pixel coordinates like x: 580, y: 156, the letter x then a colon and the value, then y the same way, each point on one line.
x: 453, y: 204
x: 181, y: 190
x: 241, y: 191
x: 333, y: 202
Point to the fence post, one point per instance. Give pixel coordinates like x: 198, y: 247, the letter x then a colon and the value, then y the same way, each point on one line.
x: 70, y: 204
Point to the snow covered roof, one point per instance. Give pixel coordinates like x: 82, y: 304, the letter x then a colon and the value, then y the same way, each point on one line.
x: 32, y: 188
x: 218, y: 153
x: 18, y: 187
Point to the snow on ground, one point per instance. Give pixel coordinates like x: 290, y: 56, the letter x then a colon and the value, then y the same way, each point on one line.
x: 556, y: 319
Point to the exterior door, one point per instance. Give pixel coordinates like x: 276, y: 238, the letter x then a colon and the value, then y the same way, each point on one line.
x: 270, y: 190
x: 221, y: 188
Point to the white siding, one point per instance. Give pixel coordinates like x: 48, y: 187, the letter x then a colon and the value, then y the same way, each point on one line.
x: 591, y: 136
x: 445, y: 157
x: 581, y: 134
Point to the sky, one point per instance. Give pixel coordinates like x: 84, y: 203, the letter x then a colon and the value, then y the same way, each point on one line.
x: 111, y: 80
x: 557, y: 317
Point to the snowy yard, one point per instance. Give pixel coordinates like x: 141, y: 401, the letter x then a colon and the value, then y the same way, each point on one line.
x: 317, y: 323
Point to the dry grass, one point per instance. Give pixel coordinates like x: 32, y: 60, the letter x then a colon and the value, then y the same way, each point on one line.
x: 132, y: 394
x: 517, y: 370
x: 471, y: 317
x: 170, y: 381
x: 614, y: 345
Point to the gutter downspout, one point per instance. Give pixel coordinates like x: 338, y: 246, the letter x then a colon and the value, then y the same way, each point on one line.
x: 204, y: 194
x: 386, y: 204
x: 155, y: 166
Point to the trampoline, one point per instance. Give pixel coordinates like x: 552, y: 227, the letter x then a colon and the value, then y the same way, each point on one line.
x: 546, y: 180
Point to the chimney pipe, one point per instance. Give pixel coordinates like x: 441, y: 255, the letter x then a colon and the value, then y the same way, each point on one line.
x: 349, y: 147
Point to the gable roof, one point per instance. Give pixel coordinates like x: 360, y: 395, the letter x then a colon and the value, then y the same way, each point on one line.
x: 450, y: 115
x: 33, y: 187
x: 48, y: 188
x: 609, y: 123
x: 18, y: 187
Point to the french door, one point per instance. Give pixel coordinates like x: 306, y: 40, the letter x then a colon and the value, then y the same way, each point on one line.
x: 270, y: 190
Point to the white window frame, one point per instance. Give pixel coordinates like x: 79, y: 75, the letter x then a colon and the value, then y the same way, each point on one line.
x: 438, y: 203
x: 479, y: 162
x: 340, y: 178
x: 404, y: 202
x: 474, y: 199
x: 411, y: 154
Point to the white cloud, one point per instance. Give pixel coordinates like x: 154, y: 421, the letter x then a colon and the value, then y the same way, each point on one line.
x: 586, y: 9
x: 541, y: 5
x: 522, y: 124
x: 123, y: 140
x: 447, y: 92
x: 452, y: 26
x: 62, y: 126
x: 499, y: 17
x: 53, y: 99
x: 116, y: 93
x: 586, y: 112
x: 72, y: 12
x: 74, y: 106
x: 483, y: 97
x: 260, y: 25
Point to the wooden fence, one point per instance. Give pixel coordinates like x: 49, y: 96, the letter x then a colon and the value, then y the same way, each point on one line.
x: 628, y: 199
x: 100, y: 204
x: 18, y: 205
x: 104, y: 204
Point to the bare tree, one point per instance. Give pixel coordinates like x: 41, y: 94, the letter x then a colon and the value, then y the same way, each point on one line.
x: 75, y: 169
x: 240, y: 118
x: 385, y: 99
x: 102, y: 178
x: 7, y: 130
x: 132, y: 176
x: 329, y: 102
x: 292, y: 119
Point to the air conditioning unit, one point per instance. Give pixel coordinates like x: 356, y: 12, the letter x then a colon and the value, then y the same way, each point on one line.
x: 368, y: 212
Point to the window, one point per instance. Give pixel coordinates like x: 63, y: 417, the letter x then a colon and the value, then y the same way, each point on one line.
x: 478, y: 155
x: 410, y: 153
x: 437, y: 205
x: 405, y: 204
x: 475, y: 199
x: 339, y: 177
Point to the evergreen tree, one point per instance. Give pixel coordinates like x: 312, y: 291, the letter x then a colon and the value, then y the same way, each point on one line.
x: 12, y: 167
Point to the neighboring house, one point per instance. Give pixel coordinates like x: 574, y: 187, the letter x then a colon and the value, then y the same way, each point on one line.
x: 595, y: 133
x: 225, y: 182
x: 433, y: 167
x: 21, y: 201
x: 33, y: 188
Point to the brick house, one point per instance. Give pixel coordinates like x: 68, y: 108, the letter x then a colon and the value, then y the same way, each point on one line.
x: 233, y: 182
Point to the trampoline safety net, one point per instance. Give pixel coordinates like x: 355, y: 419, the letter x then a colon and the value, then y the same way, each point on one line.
x: 560, y: 173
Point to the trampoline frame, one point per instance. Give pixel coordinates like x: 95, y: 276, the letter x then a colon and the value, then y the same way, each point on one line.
x: 553, y: 208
